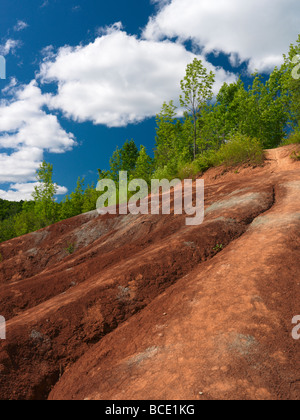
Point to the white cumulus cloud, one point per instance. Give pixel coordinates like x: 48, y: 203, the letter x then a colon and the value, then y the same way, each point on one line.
x: 26, y: 132
x: 118, y: 79
x: 254, y: 30
x: 23, y: 122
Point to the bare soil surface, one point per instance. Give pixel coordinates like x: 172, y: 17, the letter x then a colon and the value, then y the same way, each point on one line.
x: 149, y: 308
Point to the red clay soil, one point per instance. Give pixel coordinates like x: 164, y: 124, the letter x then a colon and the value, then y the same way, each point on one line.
x: 149, y: 308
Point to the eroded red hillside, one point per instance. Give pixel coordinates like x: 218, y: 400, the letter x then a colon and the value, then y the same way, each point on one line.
x: 147, y: 307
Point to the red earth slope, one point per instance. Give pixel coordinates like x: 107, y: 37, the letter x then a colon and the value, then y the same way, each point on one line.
x: 149, y: 308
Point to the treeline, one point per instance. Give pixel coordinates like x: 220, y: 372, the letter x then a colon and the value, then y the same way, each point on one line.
x: 9, y: 209
x: 43, y: 210
x: 235, y: 128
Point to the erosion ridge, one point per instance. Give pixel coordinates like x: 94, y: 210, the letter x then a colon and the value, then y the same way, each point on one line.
x: 147, y: 307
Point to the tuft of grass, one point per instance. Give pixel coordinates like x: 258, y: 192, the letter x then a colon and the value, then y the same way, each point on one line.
x: 70, y: 249
x: 240, y: 149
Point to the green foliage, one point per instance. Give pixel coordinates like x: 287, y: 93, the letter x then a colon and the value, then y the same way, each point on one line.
x: 197, y: 91
x: 263, y: 110
x: 291, y: 83
x: 174, y: 138
x: 295, y: 155
x: 188, y: 170
x: 294, y: 138
x: 33, y: 216
x: 70, y: 249
x: 202, y: 163
x: 218, y: 248
x: 205, y: 161
x: 9, y: 209
x: 43, y: 195
x: 73, y: 204
x: 123, y: 159
x: 90, y: 198
x: 7, y: 230
x: 165, y: 173
x: 77, y: 197
x: 166, y: 134
x: 240, y: 149
x: 220, y: 120
x: 28, y: 221
x: 144, y: 166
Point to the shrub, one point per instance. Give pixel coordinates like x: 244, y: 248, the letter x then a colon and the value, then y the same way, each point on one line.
x: 205, y: 161
x: 295, y: 155
x: 169, y: 172
x: 240, y: 149
x: 294, y: 138
x: 187, y: 170
x: 200, y: 165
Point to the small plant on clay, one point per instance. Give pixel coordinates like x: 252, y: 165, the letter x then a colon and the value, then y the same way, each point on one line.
x: 70, y: 249
x: 218, y: 248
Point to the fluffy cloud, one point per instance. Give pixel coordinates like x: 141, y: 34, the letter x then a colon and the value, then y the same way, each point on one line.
x: 26, y: 131
x: 24, y: 123
x: 20, y: 165
x: 118, y: 79
x: 258, y: 31
x: 18, y: 192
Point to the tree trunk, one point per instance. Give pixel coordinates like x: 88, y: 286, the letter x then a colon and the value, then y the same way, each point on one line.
x: 195, y: 136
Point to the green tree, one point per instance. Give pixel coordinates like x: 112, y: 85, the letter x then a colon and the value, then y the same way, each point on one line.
x: 228, y: 109
x: 9, y: 209
x: 262, y: 110
x: 144, y: 166
x: 44, y: 193
x: 90, y: 198
x: 197, y: 91
x: 115, y: 164
x: 66, y: 209
x: 28, y: 220
x: 129, y: 155
x: 76, y: 197
x: 123, y: 159
x: 291, y: 71
x: 166, y: 134
x: 274, y: 110
x: 7, y: 229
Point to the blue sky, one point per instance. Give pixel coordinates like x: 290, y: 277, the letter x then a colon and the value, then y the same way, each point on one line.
x: 84, y: 76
